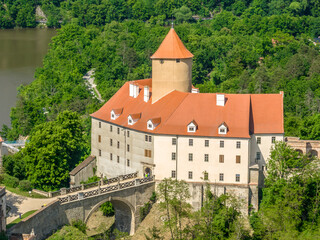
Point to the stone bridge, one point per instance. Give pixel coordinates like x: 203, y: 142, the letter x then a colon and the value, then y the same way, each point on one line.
x: 127, y: 199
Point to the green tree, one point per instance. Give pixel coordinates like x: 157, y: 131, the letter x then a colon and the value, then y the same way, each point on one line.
x: 182, y: 14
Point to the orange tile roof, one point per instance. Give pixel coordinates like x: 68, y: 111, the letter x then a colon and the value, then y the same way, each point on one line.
x: 172, y: 48
x: 244, y: 114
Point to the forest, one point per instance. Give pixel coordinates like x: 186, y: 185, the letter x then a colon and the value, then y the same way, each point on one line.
x: 259, y: 46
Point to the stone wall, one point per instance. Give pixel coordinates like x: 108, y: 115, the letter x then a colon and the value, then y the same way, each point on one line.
x: 311, y: 147
x: 83, y: 171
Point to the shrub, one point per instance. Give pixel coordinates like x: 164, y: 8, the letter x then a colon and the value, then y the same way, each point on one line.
x: 153, y: 197
x: 107, y: 209
x: 91, y: 180
x: 145, y: 210
x: 25, y: 185
x: 10, y: 181
x: 79, y: 225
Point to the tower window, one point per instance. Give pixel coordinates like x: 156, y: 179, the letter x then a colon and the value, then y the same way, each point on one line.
x: 118, y: 159
x: 111, y: 156
x: 128, y: 162
x: 128, y: 133
x: 110, y: 128
x: 100, y: 152
x: 99, y: 124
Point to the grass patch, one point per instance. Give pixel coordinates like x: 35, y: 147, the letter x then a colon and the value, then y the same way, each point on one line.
x: 23, y: 193
x: 14, y: 222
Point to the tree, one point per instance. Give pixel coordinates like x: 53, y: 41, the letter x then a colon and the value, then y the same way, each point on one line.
x: 182, y: 14
x: 54, y: 149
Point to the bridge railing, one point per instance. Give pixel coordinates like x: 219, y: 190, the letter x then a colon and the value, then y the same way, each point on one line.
x: 115, y: 187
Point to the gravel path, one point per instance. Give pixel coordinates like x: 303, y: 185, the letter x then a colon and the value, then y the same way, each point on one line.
x: 20, y: 204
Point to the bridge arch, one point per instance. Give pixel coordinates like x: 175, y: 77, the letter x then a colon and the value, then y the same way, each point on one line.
x: 124, y: 214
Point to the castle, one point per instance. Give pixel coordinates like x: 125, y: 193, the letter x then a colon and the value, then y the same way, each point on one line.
x: 164, y: 127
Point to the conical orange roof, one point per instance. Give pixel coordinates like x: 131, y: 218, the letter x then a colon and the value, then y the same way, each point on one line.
x: 172, y: 48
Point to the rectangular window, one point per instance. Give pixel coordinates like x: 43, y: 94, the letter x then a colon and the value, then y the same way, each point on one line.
x: 238, y: 144
x: 128, y: 133
x: 221, y: 177
x: 111, y: 142
x: 190, y: 142
x: 146, y: 138
x: 128, y: 162
x: 99, y: 124
x: 99, y: 138
x: 273, y: 139
x: 118, y: 130
x: 237, y: 177
x: 238, y: 159
x: 150, y: 139
x: 221, y: 144
x: 190, y: 157
x: 177, y: 60
x: 205, y: 176
x: 258, y: 140
x: 118, y: 144
x: 173, y: 174
x: 221, y: 158
x: 206, y: 143
x: 99, y: 152
x: 206, y: 157
x: 173, y: 156
x: 147, y: 153
x: 110, y: 128
x: 111, y: 156
x: 190, y: 175
x: 174, y: 141
x: 258, y: 156
x: 128, y: 148
x: 118, y: 159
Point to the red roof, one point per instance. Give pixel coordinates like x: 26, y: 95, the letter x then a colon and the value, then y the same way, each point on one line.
x: 172, y: 48
x: 244, y: 114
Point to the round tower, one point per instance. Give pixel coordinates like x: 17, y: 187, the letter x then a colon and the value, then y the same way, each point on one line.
x: 171, y: 67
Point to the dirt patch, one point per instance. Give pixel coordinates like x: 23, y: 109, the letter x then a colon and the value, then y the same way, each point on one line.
x: 98, y: 223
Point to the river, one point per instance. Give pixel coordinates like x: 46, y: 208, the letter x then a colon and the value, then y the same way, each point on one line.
x: 21, y: 52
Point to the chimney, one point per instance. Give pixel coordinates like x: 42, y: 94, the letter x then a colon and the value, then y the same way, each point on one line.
x: 220, y: 100
x: 146, y: 93
x: 133, y: 90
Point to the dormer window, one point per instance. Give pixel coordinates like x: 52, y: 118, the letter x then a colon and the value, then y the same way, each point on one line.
x: 192, y: 127
x: 115, y: 113
x: 133, y: 118
x: 153, y: 123
x: 223, y: 129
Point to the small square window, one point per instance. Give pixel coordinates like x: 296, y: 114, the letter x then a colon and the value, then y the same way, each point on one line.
x: 190, y: 157
x: 111, y: 156
x: 173, y: 156
x: 150, y: 139
x: 99, y: 124
x: 150, y: 126
x: 174, y: 141
x: 118, y: 144
x: 221, y: 158
x: 238, y: 144
x: 258, y: 156
x: 191, y: 129
x: 99, y: 138
x: 110, y: 128
x: 238, y: 159
x: 177, y: 60
x: 128, y: 133
x: 206, y: 143
x: 118, y: 159
x: 173, y: 174
x: 237, y: 177
x: 273, y: 139
x: 118, y: 130
x: 128, y: 162
x: 190, y: 142
x: 206, y: 157
x: 128, y: 147
x: 258, y: 140
x: 205, y: 176
x: 221, y: 144
x: 99, y: 153
x: 221, y: 177
x: 111, y: 141
x: 190, y: 174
